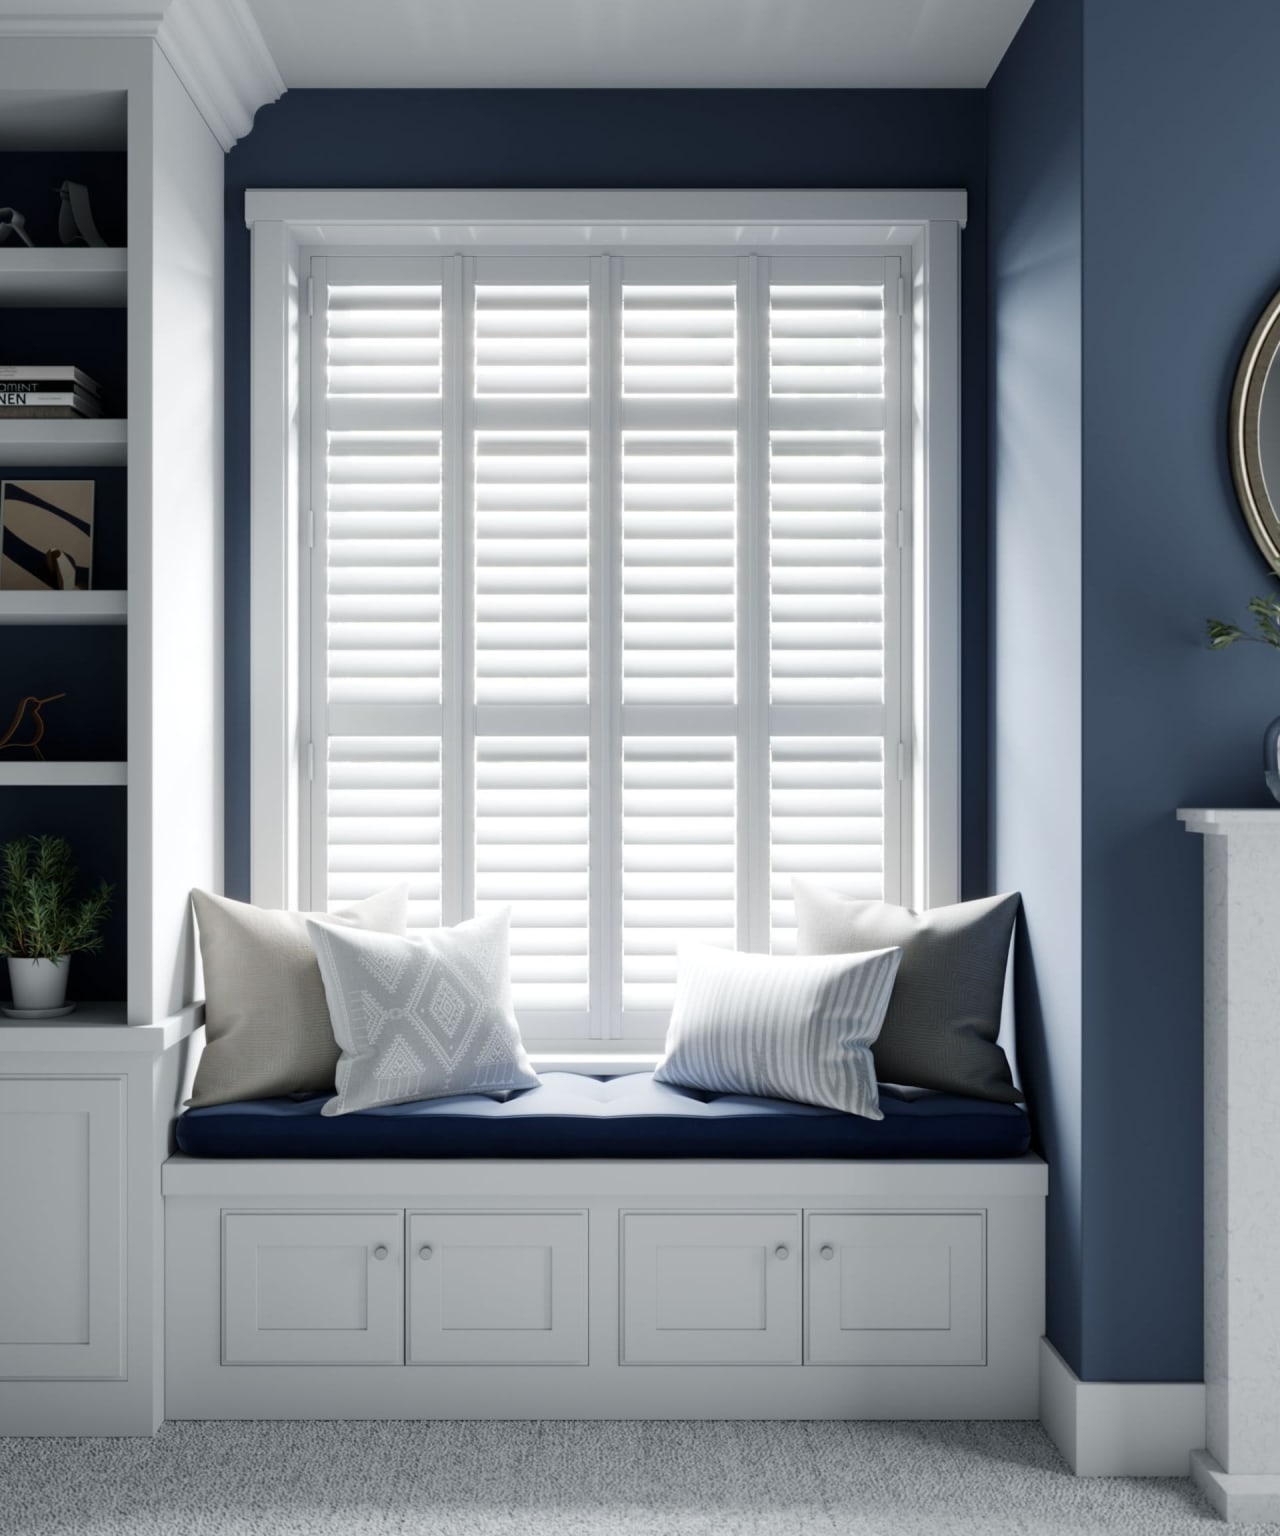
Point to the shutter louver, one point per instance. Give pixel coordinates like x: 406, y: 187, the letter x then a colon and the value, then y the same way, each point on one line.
x: 679, y: 521
x: 826, y: 822
x: 532, y: 853
x: 531, y: 340
x: 679, y: 340
x: 532, y: 501
x: 384, y: 821
x: 826, y: 567
x: 826, y: 339
x: 679, y: 857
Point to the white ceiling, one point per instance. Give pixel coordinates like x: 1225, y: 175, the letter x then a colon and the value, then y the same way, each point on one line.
x: 638, y: 43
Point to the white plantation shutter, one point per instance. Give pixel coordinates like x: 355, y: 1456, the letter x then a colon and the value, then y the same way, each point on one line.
x: 826, y: 822
x: 605, y: 603
x: 679, y: 858
x: 833, y: 416
x: 679, y: 534
x: 531, y: 844
x: 384, y: 821
x: 532, y: 506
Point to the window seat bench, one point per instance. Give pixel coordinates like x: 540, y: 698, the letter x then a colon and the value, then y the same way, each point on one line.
x: 604, y: 1248
x: 572, y: 1116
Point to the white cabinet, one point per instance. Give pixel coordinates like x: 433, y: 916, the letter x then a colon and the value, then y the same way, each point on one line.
x: 498, y: 1288
x: 322, y: 1288
x: 61, y: 1228
x: 895, y: 1288
x: 711, y: 1288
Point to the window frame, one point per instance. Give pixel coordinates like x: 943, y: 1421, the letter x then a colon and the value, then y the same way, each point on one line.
x: 290, y: 227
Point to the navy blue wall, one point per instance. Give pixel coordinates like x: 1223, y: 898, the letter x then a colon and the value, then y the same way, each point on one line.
x: 613, y: 139
x: 1034, y: 234
x: 1182, y: 249
x: 1132, y: 149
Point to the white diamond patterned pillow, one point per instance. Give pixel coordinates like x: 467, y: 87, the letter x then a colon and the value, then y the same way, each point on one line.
x: 421, y: 1019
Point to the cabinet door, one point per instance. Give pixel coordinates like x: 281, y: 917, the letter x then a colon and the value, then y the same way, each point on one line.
x: 710, y: 1288
x: 62, y: 1228
x: 313, y: 1288
x: 498, y: 1288
x: 896, y: 1288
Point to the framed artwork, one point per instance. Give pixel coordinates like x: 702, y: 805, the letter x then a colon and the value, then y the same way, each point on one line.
x: 46, y: 535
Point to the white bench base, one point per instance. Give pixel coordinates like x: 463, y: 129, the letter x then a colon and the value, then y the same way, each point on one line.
x: 603, y: 1289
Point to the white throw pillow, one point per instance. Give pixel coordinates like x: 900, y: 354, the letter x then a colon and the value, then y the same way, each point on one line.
x: 780, y: 1027
x: 421, y: 1019
x: 266, y: 1020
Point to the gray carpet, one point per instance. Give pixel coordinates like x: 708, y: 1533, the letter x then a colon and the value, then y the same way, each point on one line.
x: 577, y: 1479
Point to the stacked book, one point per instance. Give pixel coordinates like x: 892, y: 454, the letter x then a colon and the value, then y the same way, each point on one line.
x: 47, y: 390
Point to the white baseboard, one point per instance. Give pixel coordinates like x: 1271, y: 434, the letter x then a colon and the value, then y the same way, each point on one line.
x: 1120, y: 1428
x: 1236, y: 1496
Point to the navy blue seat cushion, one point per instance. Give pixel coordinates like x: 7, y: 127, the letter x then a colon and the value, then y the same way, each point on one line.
x: 570, y: 1115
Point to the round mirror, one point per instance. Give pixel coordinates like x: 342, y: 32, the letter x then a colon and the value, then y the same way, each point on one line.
x: 1255, y: 434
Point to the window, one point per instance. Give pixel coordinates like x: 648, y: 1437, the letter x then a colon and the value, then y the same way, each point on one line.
x: 605, y: 602
x: 615, y: 597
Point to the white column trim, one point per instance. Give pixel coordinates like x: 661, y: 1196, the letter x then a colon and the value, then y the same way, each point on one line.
x: 1120, y: 1428
x: 274, y: 746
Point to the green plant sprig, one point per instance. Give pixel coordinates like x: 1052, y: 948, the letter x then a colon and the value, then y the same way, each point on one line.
x: 1266, y: 620
x: 40, y: 917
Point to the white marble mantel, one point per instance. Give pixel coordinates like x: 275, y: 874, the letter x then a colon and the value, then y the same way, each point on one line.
x: 1240, y: 1470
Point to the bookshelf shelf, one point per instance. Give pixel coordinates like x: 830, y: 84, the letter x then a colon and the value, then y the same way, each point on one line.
x: 70, y: 444
x: 64, y: 607
x: 32, y: 774
x: 47, y: 277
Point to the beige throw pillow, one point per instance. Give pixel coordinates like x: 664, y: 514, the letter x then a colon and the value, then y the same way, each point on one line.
x: 267, y: 1028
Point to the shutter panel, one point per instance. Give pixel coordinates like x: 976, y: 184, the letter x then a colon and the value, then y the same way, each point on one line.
x: 382, y: 488
x: 679, y: 520
x: 826, y: 822
x: 532, y: 506
x: 679, y: 340
x: 679, y: 857
x: 531, y: 835
x: 531, y: 339
x: 384, y: 821
x: 826, y: 339
x: 826, y: 567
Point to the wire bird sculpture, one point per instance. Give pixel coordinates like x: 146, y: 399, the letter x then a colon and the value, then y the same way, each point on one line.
x: 35, y: 719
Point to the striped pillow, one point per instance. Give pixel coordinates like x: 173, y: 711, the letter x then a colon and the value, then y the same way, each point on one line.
x: 784, y: 1028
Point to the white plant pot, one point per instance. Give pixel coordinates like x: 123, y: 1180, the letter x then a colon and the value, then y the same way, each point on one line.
x: 39, y: 983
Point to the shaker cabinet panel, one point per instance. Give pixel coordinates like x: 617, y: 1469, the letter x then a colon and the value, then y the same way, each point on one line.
x: 896, y: 1288
x: 62, y: 1213
x: 711, y: 1288
x: 313, y: 1288
x: 497, y: 1288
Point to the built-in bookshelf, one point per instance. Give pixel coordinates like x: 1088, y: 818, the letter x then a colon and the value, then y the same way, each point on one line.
x: 68, y: 305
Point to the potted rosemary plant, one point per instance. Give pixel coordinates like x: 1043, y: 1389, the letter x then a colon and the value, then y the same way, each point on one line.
x: 42, y: 922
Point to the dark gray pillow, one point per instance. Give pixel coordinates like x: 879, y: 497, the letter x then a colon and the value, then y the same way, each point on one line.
x: 944, y: 1015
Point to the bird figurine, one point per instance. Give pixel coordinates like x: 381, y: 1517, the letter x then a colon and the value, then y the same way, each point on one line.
x: 75, y: 220
x: 35, y: 719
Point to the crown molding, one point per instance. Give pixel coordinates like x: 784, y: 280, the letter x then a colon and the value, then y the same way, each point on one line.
x: 214, y: 46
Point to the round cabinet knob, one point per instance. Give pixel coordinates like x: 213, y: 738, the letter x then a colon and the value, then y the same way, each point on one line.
x: 827, y: 1251
x: 781, y: 1251
x: 381, y: 1251
x: 425, y: 1251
